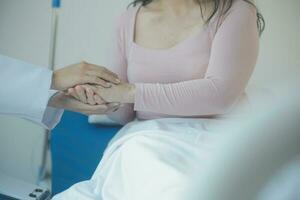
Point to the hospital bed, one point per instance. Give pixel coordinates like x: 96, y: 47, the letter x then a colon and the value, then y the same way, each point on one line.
x: 76, y: 149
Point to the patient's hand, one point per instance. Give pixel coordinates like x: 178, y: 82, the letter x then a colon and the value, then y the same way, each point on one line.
x: 122, y: 93
x: 85, y: 94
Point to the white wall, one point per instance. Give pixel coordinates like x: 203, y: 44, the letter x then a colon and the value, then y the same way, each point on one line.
x: 279, y: 58
x: 85, y: 30
x: 84, y: 33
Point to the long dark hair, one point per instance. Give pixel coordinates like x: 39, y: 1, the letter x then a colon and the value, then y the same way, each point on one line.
x: 222, y: 5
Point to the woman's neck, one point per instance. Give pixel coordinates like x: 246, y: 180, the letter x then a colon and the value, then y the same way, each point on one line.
x: 176, y: 7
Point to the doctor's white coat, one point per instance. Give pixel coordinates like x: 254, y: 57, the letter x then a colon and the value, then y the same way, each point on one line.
x: 25, y: 92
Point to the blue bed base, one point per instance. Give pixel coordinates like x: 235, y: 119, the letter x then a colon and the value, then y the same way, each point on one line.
x: 76, y: 149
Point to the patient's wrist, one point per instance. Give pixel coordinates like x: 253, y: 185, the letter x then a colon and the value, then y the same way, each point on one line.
x: 129, y: 95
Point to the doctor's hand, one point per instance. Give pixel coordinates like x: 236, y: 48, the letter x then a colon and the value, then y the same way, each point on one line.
x: 63, y: 101
x: 82, y: 73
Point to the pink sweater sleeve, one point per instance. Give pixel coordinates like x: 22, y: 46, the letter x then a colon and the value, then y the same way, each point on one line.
x: 118, y: 65
x: 233, y: 57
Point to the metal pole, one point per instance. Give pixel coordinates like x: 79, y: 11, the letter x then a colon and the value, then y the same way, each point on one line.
x: 54, y: 21
x: 51, y: 63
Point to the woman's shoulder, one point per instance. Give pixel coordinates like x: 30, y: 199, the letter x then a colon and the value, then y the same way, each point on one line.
x: 243, y: 5
x: 238, y: 9
x: 125, y: 18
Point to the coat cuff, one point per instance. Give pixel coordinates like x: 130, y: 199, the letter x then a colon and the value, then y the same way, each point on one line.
x: 51, y: 116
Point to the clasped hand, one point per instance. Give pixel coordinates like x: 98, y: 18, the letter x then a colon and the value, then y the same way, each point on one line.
x: 89, y: 89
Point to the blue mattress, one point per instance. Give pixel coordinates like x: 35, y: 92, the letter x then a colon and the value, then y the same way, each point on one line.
x: 76, y: 149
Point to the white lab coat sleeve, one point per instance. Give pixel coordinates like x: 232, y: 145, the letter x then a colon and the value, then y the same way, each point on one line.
x: 52, y: 115
x: 25, y: 92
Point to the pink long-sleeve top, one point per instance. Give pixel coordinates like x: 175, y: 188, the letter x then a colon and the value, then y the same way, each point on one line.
x: 204, y: 75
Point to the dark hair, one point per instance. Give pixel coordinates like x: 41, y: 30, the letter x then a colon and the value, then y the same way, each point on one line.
x: 222, y: 5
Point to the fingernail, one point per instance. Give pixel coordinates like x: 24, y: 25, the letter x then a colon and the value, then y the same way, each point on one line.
x: 90, y: 91
x: 115, y: 109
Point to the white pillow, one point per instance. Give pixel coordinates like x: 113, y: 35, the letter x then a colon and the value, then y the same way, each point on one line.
x: 101, y: 120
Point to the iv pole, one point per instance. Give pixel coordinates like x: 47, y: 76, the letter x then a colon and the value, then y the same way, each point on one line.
x: 53, y: 34
x: 55, y: 8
